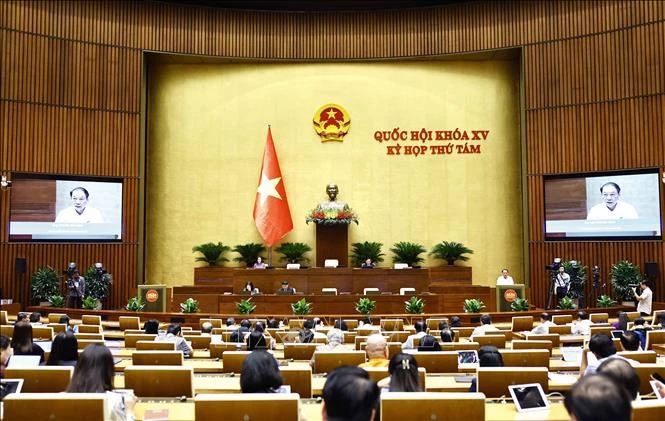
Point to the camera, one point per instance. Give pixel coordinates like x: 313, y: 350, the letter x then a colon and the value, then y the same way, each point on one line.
x: 555, y: 265
x: 71, y: 268
x: 99, y: 269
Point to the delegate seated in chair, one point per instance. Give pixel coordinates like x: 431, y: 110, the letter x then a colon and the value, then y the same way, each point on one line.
x: 174, y: 334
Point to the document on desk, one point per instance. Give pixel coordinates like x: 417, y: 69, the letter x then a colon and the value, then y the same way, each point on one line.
x: 563, y: 378
x: 156, y: 415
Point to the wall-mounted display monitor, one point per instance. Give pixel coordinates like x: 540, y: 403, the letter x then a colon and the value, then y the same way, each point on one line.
x: 606, y: 206
x: 60, y: 208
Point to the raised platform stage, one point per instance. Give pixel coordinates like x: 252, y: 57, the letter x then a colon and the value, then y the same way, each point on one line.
x: 451, y: 285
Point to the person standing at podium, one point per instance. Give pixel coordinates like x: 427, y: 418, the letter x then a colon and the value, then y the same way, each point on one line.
x: 505, y: 278
x: 368, y: 264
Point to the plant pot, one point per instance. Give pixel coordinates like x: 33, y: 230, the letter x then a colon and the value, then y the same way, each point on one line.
x: 45, y: 304
x: 628, y: 303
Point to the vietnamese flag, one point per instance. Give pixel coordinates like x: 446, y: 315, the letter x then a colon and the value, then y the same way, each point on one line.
x: 271, y: 209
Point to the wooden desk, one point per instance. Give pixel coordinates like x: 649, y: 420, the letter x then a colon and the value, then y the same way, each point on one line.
x: 200, y: 366
x: 311, y: 411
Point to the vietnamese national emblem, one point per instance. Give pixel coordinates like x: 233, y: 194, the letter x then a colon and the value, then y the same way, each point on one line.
x: 331, y: 122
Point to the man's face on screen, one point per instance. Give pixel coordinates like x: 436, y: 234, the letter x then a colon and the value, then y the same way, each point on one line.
x: 79, y: 201
x: 610, y: 196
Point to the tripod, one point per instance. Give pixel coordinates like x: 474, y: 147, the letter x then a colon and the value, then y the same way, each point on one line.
x: 551, y: 293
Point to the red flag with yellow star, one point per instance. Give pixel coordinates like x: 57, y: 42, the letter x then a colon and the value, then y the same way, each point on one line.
x: 271, y: 209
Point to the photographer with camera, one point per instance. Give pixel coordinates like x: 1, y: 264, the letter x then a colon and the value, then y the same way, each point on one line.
x: 562, y: 282
x: 644, y: 299
x: 75, y: 290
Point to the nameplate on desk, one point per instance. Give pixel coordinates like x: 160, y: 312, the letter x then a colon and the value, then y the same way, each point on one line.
x: 156, y: 414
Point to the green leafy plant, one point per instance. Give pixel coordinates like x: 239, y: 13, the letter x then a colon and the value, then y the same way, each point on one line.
x: 473, y: 305
x: 407, y: 252
x: 135, y: 304
x: 57, y: 301
x: 365, y: 306
x: 97, y: 284
x: 248, y: 253
x: 367, y: 250
x: 450, y: 251
x: 415, y: 305
x: 245, y: 306
x: 520, y: 304
x: 566, y: 303
x: 293, y: 252
x: 301, y: 307
x: 90, y: 303
x: 44, y: 284
x: 190, y: 305
x: 605, y: 301
x: 212, y: 253
x: 625, y: 275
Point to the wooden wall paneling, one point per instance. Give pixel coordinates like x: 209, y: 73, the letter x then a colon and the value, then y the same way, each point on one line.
x: 594, y: 90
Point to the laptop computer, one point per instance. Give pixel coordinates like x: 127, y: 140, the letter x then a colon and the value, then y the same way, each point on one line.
x: 571, y: 354
x: 23, y: 361
x: 616, y: 334
x: 8, y: 386
x: 529, y: 397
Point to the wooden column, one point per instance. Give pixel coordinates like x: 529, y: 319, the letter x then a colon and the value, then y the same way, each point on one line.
x: 332, y: 242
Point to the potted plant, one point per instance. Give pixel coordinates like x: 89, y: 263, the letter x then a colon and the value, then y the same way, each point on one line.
x: 473, y: 305
x: 90, y: 303
x: 566, y: 303
x: 301, y: 307
x: 625, y: 276
x: 605, y: 301
x: 451, y: 252
x: 57, y: 301
x: 520, y: 304
x: 293, y: 252
x: 245, y: 306
x: 134, y: 304
x: 190, y: 305
x: 415, y: 305
x: 248, y: 253
x: 367, y: 250
x: 407, y: 252
x: 44, y: 284
x: 365, y: 306
x: 97, y: 283
x: 212, y: 253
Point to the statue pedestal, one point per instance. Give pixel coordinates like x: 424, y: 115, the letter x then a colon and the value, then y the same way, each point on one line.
x: 332, y: 242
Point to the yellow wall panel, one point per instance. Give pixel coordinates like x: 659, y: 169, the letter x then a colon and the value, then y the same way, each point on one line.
x: 207, y: 126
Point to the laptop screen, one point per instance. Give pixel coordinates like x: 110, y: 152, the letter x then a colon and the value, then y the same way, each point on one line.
x: 19, y: 361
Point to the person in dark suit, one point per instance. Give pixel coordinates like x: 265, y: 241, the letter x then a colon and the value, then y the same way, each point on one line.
x: 286, y: 289
x: 75, y: 290
x: 368, y: 264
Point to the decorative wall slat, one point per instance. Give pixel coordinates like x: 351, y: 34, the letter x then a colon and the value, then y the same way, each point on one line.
x: 71, y: 71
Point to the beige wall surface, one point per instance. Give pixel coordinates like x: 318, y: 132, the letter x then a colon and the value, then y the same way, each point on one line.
x: 207, y: 126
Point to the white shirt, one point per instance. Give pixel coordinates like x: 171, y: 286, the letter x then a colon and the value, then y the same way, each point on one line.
x: 89, y: 215
x: 505, y: 281
x: 542, y: 328
x: 622, y: 210
x: 409, y: 341
x: 482, y: 329
x: 583, y: 327
x: 645, y: 299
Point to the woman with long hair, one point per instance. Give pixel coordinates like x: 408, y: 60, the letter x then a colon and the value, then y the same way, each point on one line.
x: 404, y: 377
x: 22, y: 341
x: 94, y: 374
x: 64, y: 350
x: 260, y: 373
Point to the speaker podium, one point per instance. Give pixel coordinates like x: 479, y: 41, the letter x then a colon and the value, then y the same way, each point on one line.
x: 506, y: 294
x: 332, y: 242
x: 154, y: 297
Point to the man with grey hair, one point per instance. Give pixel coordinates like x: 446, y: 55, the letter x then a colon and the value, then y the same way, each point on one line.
x: 335, y: 343
x: 377, y: 352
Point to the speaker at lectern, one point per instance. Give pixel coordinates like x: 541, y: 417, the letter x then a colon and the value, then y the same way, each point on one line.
x: 506, y: 294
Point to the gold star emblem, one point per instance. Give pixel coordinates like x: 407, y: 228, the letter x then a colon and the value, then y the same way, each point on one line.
x: 331, y: 114
x: 268, y: 187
